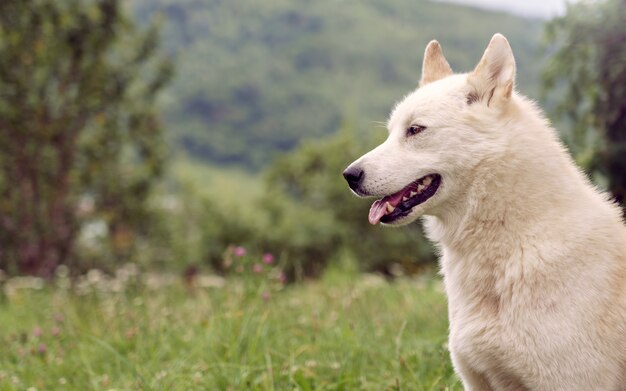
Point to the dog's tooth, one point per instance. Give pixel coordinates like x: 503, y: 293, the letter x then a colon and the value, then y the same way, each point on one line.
x: 412, y: 194
x: 405, y: 198
x: 390, y: 208
x: 427, y: 181
x: 420, y: 188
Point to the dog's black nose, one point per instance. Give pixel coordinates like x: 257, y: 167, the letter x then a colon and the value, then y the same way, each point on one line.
x: 354, y: 176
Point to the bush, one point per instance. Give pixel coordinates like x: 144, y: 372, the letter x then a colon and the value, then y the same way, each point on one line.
x: 301, y: 211
x: 321, y: 218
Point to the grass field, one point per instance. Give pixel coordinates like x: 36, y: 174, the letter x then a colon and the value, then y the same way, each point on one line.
x: 157, y: 332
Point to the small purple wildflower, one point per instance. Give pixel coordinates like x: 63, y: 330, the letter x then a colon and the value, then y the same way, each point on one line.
x: 55, y: 331
x: 282, y: 277
x: 37, y: 331
x: 42, y: 348
x: 257, y: 268
x: 268, y: 258
x: 265, y: 295
x: 239, y: 251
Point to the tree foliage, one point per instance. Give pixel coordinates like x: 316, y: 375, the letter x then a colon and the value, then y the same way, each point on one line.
x: 589, y: 73
x: 79, y: 139
x: 310, y: 180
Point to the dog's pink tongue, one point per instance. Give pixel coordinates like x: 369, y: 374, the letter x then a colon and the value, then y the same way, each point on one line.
x: 379, y: 207
x: 377, y: 211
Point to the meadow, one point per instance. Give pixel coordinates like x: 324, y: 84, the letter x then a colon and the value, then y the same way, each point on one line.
x: 248, y: 331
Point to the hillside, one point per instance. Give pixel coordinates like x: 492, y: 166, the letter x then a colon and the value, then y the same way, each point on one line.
x: 253, y: 78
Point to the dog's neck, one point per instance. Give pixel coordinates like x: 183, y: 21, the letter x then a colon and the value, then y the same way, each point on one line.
x: 504, y: 225
x: 513, y: 193
x: 499, y: 221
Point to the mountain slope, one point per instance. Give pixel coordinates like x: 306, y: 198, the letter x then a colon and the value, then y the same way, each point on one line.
x: 254, y: 78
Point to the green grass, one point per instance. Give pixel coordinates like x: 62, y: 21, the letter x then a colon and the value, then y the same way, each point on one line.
x: 341, y: 333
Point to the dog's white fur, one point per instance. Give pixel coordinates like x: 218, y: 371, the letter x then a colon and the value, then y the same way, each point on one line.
x: 533, y: 256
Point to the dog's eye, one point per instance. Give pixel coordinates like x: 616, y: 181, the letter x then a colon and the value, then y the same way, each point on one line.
x: 415, y: 129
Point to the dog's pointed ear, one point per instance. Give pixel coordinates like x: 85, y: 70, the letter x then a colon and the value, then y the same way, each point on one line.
x: 435, y: 66
x: 494, y: 76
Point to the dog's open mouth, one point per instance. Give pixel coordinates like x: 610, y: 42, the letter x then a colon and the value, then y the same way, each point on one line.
x: 397, y: 205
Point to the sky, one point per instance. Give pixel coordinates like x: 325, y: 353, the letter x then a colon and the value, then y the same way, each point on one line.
x: 531, y: 8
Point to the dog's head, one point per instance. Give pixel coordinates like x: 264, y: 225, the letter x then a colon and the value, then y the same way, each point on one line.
x: 437, y: 135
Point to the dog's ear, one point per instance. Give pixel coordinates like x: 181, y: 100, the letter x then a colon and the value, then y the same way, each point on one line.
x: 493, y: 79
x: 435, y: 66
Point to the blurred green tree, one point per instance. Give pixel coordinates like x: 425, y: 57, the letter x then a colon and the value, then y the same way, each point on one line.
x: 313, y: 212
x: 590, y: 63
x: 79, y: 139
x: 300, y: 209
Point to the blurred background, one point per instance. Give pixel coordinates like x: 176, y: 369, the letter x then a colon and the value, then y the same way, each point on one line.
x: 175, y: 134
x: 172, y: 210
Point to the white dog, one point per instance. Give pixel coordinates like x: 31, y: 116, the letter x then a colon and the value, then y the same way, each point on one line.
x: 533, y: 256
